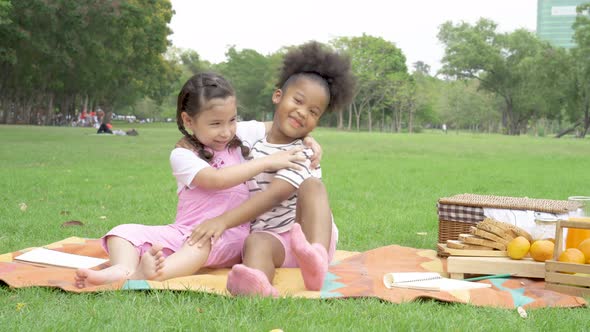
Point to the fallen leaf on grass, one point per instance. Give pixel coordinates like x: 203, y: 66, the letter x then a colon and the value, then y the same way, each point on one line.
x: 20, y: 306
x: 65, y: 213
x: 421, y: 233
x: 72, y: 223
x: 103, y: 217
x: 200, y: 310
x: 23, y: 207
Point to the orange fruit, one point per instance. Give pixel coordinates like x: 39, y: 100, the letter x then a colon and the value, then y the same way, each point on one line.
x: 572, y: 255
x: 518, y: 247
x: 542, y: 250
x: 584, y: 247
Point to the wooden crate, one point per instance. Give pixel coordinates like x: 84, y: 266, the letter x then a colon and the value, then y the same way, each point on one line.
x: 569, y: 283
x: 458, y: 266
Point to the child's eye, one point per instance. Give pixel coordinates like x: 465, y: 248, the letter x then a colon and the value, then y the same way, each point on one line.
x: 297, y: 101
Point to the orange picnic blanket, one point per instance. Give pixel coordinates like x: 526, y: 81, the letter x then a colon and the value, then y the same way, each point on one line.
x: 350, y: 275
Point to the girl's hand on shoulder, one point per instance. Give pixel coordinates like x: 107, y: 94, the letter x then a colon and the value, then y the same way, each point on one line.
x: 209, y: 230
x: 285, y: 159
x: 311, y: 143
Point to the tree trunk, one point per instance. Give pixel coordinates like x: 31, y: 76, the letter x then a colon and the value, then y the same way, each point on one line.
x: 586, y: 121
x: 568, y: 130
x: 350, y: 117
x: 340, y: 120
x: 4, y: 111
x: 370, y: 119
x: 411, y: 118
x: 85, y: 107
x: 50, y: 112
x: 26, y: 115
x: 357, y: 114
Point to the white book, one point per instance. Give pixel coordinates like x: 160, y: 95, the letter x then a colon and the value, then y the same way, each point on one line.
x: 428, y: 281
x: 58, y: 258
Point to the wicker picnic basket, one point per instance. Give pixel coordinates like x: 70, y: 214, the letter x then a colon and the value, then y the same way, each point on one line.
x: 456, y: 214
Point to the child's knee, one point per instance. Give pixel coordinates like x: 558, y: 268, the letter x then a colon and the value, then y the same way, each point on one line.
x: 312, y: 185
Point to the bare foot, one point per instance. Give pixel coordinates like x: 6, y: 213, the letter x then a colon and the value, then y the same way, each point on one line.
x: 243, y: 280
x: 88, y: 277
x: 311, y: 258
x: 150, y: 264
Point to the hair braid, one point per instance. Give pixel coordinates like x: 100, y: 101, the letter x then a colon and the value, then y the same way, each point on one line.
x: 236, y: 142
x: 199, y: 147
x: 195, y: 93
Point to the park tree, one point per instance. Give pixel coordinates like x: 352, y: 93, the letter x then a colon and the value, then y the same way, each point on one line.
x: 578, y: 101
x: 463, y: 105
x: 504, y: 63
x: 380, y: 68
x: 250, y: 73
x: 421, y: 68
x: 428, y: 89
x: 64, y: 53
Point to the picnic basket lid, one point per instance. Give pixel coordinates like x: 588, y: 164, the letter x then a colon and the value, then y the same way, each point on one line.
x: 512, y: 203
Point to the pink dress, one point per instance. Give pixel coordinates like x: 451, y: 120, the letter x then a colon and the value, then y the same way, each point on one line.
x: 195, y: 206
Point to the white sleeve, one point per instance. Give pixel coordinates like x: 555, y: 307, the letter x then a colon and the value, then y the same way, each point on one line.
x: 250, y: 132
x: 296, y: 177
x: 185, y: 166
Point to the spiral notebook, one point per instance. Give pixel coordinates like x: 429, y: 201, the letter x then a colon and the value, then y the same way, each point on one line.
x: 428, y: 281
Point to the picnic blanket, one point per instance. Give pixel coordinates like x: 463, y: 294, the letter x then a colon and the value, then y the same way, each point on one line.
x: 350, y: 275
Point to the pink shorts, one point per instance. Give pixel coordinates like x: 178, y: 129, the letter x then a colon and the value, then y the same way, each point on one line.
x: 226, y: 252
x: 285, y: 239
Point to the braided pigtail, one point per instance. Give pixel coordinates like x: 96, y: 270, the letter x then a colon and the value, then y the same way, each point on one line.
x: 198, y: 146
x: 193, y: 96
x: 236, y: 142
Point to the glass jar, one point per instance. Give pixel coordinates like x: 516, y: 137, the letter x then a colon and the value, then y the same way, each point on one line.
x: 545, y: 228
x: 575, y: 236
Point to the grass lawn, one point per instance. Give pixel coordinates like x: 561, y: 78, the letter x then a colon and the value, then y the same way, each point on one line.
x: 383, y: 190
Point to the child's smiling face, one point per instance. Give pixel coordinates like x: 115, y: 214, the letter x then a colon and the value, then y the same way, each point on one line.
x: 215, y: 126
x: 298, y: 109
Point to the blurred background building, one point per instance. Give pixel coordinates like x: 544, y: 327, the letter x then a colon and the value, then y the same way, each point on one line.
x: 555, y: 19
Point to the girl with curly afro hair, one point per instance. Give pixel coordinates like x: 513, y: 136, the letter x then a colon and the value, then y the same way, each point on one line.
x: 292, y: 223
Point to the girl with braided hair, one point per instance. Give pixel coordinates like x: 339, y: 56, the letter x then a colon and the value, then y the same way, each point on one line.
x: 293, y: 224
x: 211, y: 171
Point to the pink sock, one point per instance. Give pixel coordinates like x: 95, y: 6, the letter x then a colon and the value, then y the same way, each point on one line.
x: 243, y: 280
x: 311, y: 258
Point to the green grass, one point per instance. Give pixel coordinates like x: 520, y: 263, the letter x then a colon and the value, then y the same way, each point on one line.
x: 383, y: 190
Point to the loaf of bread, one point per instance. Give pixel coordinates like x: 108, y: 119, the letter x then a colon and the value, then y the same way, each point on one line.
x: 517, y: 231
x: 473, y: 239
x: 456, y: 244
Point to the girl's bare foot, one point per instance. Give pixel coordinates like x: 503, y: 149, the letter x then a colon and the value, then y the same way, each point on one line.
x: 150, y: 265
x: 88, y: 277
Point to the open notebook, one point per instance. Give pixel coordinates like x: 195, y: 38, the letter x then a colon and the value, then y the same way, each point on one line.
x: 428, y: 281
x: 58, y: 258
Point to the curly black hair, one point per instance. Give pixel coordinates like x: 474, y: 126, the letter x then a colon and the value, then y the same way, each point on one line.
x: 324, y: 65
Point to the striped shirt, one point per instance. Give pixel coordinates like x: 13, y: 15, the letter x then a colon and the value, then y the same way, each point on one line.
x: 281, y: 217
